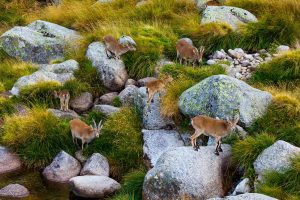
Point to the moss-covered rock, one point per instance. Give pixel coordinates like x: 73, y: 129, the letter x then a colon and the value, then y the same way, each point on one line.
x: 222, y: 96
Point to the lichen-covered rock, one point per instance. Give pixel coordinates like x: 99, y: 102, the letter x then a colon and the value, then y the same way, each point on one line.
x: 59, y: 73
x: 96, y: 165
x: 130, y: 82
x: 106, y: 109
x: 93, y: 186
x: 62, y: 168
x: 14, y: 191
x: 82, y: 103
x: 276, y: 157
x: 112, y: 71
x: 152, y: 119
x: 227, y: 14
x: 70, y: 114
x: 156, y: 142
x: 8, y: 162
x: 39, y: 42
x: 223, y: 96
x: 248, y: 196
x: 128, y: 94
x: 184, y: 172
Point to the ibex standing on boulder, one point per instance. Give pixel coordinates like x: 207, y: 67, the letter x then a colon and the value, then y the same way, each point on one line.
x: 64, y: 97
x: 212, y: 127
x: 84, y: 132
x: 115, y: 48
x: 186, y: 51
x: 156, y: 86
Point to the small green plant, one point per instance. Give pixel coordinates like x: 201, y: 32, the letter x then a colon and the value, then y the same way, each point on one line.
x: 37, y: 130
x: 283, y: 185
x: 117, y: 102
x: 6, y: 106
x: 120, y: 142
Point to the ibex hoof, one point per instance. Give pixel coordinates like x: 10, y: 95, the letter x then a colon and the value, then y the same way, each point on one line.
x: 217, y: 153
x: 220, y: 150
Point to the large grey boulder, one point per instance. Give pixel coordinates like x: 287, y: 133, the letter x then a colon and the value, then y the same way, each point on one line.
x: 152, y: 119
x: 112, y: 71
x: 223, y: 96
x: 248, y: 196
x: 242, y: 188
x: 227, y: 14
x: 70, y: 114
x: 59, y: 73
x: 106, y: 109
x: 156, y: 142
x: 14, y: 191
x: 96, y: 165
x: 128, y: 94
x: 62, y: 168
x: 39, y: 42
x: 276, y: 157
x: 8, y: 162
x: 184, y: 172
x: 93, y: 186
x: 83, y: 102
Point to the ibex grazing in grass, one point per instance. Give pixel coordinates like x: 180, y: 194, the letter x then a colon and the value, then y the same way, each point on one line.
x: 84, y: 132
x: 64, y: 97
x: 186, y: 51
x: 212, y: 127
x: 115, y: 48
x: 156, y: 86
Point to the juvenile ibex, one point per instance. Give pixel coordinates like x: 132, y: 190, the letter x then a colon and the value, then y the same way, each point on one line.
x: 186, y: 51
x: 115, y: 48
x: 156, y: 86
x: 64, y: 97
x: 212, y: 127
x: 84, y: 132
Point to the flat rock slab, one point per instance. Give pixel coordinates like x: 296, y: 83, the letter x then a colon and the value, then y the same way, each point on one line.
x: 8, y: 162
x: 248, y: 196
x: 227, y: 14
x: 62, y: 168
x: 14, y: 191
x: 70, y: 114
x: 156, y: 142
x: 276, y: 157
x: 106, y: 109
x: 93, y: 186
x: 184, y: 172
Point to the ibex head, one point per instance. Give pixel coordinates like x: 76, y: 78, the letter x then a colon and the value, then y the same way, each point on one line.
x: 200, y: 54
x: 97, y: 128
x: 232, y: 122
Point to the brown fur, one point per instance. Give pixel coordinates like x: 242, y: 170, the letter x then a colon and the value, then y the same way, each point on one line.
x: 211, y: 127
x: 189, y: 53
x: 115, y: 48
x: 83, y: 131
x: 156, y: 86
x: 64, y: 97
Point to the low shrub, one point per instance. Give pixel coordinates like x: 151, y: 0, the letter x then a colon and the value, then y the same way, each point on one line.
x: 286, y: 185
x: 120, y: 142
x: 285, y: 68
x: 36, y: 137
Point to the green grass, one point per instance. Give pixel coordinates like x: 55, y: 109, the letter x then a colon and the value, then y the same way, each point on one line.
x: 120, y: 142
x: 246, y: 151
x: 42, y: 93
x: 6, y: 106
x: 117, y: 102
x: 36, y: 137
x: 285, y: 68
x: 286, y: 185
